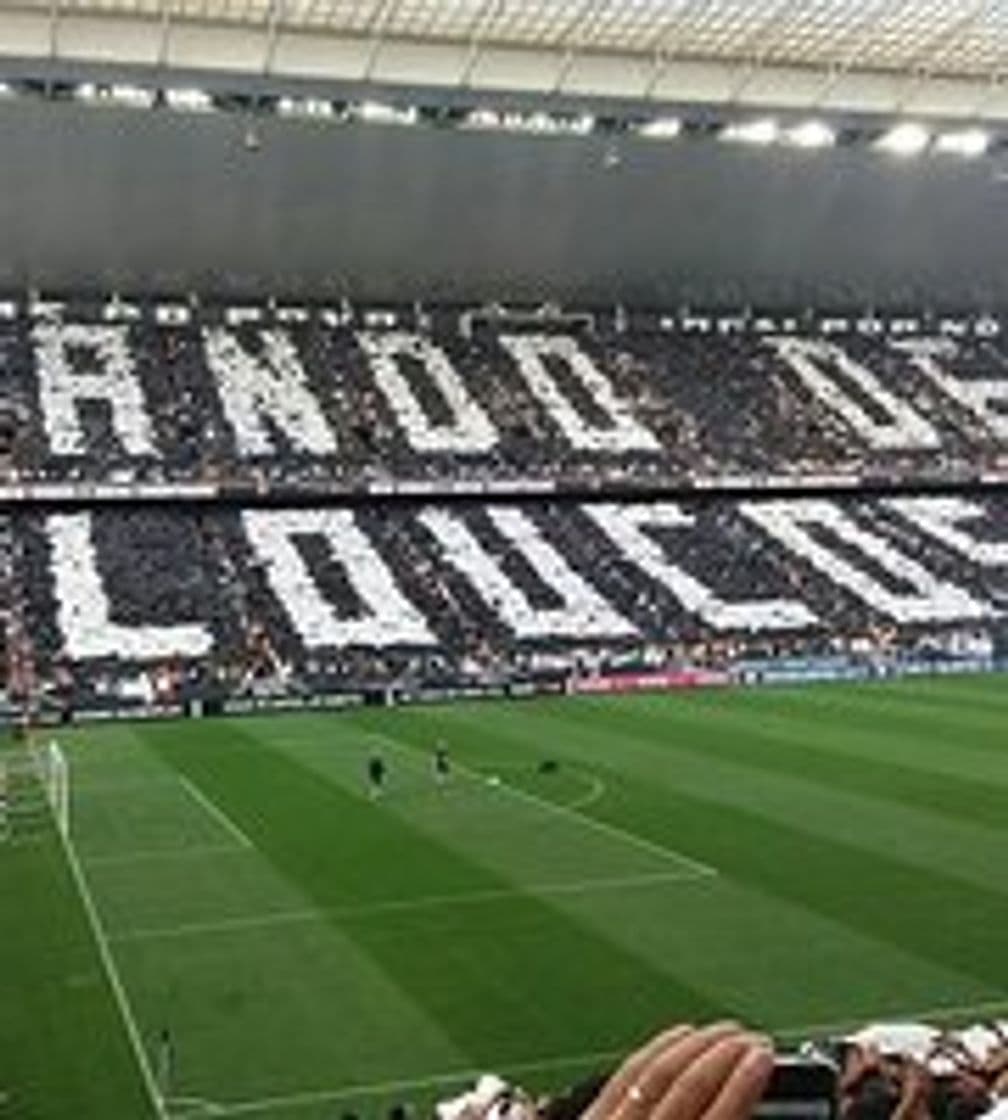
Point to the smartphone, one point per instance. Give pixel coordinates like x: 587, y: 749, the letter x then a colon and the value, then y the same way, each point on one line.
x: 800, y: 1089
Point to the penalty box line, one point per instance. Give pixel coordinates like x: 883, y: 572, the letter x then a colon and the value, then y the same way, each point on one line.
x: 216, y: 812
x: 698, y: 867
x: 405, y: 905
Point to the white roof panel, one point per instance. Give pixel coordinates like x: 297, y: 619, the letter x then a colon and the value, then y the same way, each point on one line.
x: 932, y: 36
x: 965, y: 40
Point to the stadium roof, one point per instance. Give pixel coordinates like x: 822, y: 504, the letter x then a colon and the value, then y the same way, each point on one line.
x: 939, y: 57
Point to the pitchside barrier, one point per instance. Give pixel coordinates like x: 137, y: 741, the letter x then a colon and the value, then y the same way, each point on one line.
x: 795, y: 670
x: 750, y: 672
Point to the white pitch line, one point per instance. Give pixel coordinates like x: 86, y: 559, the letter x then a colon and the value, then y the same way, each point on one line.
x: 186, y: 851
x: 115, y: 982
x: 216, y: 812
x: 424, y: 902
x: 321, y: 1096
x: 224, y: 925
x: 191, y: 1107
x: 594, y: 793
x: 611, y: 830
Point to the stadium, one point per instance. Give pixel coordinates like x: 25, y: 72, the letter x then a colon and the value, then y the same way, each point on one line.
x: 503, y: 559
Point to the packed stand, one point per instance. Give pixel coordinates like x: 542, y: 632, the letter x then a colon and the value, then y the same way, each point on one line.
x: 148, y: 602
x: 315, y: 404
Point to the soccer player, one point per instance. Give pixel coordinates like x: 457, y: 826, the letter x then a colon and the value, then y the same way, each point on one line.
x: 376, y: 775
x: 165, y: 1061
x: 442, y: 764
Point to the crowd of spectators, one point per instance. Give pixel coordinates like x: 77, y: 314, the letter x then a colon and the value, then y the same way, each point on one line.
x: 915, y: 1071
x: 183, y: 597
x: 884, y: 1071
x: 355, y: 408
x: 333, y: 599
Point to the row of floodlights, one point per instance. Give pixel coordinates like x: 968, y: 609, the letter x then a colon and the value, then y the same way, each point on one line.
x: 904, y: 139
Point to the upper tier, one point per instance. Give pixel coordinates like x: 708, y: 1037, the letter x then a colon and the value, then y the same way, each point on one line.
x: 331, y: 401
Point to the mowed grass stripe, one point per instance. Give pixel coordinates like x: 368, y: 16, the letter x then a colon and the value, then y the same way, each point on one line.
x: 936, y: 916
x: 953, y: 848
x: 258, y: 1013
x: 703, y: 929
x: 343, y: 848
x: 531, y: 842
x: 824, y: 725
x: 275, y: 1011
x: 59, y: 1025
x: 799, y: 927
x: 939, y: 720
x: 813, y: 753
x: 474, y: 970
x: 971, y: 696
x: 879, y: 716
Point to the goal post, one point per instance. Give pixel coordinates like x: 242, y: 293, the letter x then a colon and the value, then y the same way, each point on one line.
x: 34, y: 792
x: 55, y: 777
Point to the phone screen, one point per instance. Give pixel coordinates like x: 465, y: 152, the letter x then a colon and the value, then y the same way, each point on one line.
x: 800, y: 1089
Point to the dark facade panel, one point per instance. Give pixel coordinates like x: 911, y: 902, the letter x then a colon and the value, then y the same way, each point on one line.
x: 108, y: 198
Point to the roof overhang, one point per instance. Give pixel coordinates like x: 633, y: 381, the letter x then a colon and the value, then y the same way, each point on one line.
x: 272, y: 50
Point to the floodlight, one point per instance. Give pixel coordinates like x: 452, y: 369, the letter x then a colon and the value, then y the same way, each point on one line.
x: 304, y: 107
x: 376, y: 112
x: 971, y: 142
x: 482, y: 118
x: 188, y: 100
x: 133, y: 97
x: 905, y: 139
x: 661, y: 128
x: 535, y: 122
x: 751, y: 132
x: 811, y: 134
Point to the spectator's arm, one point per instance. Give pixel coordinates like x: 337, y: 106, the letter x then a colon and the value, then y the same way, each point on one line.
x: 915, y: 1094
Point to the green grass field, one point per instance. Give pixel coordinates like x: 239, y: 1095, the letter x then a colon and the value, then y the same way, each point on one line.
x: 800, y: 858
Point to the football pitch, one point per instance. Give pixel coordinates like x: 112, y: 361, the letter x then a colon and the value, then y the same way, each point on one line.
x: 801, y: 858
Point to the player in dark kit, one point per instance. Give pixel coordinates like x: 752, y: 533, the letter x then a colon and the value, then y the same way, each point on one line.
x: 442, y: 765
x: 376, y: 775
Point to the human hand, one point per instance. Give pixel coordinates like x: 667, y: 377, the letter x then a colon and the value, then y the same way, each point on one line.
x: 717, y: 1073
x: 915, y: 1093
x: 859, y: 1062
